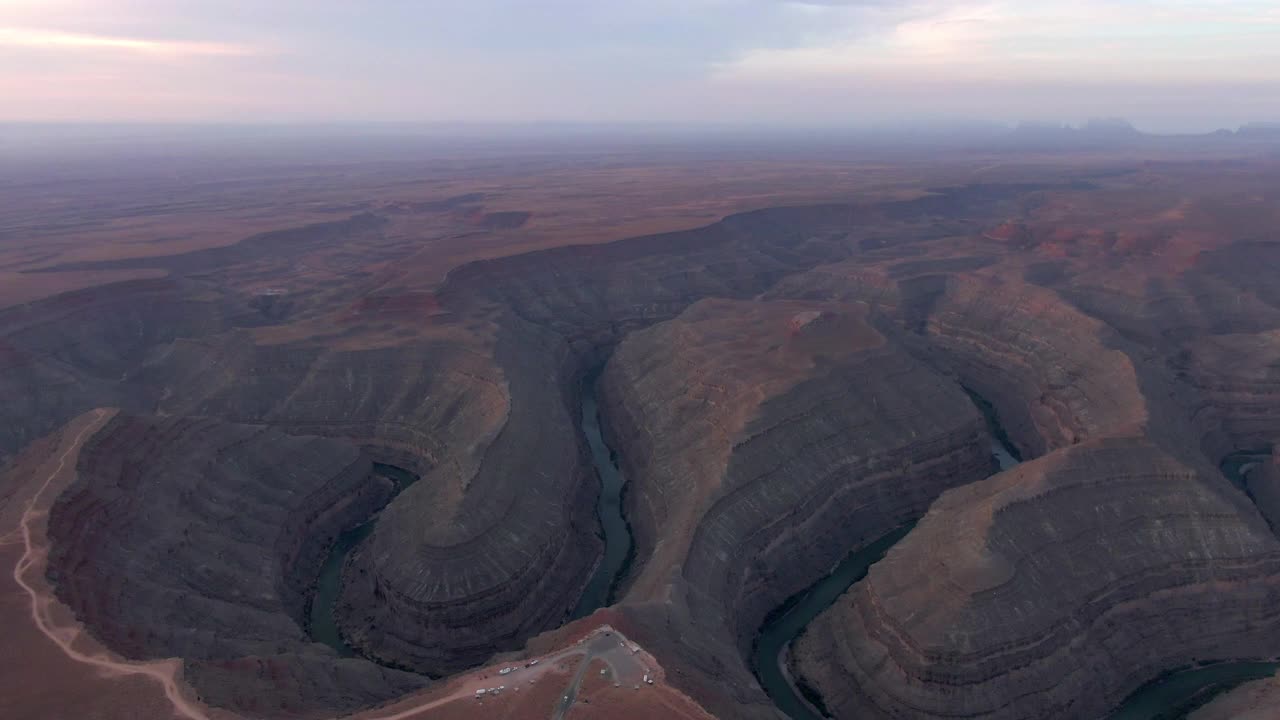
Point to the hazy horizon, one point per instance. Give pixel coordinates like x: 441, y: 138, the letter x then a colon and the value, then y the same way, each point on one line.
x: 1166, y: 66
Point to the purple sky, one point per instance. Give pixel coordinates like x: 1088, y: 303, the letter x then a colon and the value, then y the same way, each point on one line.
x: 1168, y: 65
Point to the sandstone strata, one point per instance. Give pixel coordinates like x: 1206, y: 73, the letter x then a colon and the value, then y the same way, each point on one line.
x: 496, y: 542
x: 1236, y: 380
x: 787, y: 384
x: 1045, y: 366
x: 200, y: 539
x: 763, y: 440
x: 1052, y: 591
x: 62, y: 356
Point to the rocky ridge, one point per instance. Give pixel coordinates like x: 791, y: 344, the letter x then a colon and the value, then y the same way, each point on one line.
x: 192, y: 506
x: 1048, y: 590
x: 762, y: 440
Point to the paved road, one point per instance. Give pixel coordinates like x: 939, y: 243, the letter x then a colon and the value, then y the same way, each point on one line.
x: 625, y: 667
x: 571, y: 693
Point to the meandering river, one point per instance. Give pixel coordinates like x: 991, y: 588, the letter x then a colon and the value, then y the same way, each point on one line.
x: 617, y: 533
x: 784, y: 624
x: 322, y: 626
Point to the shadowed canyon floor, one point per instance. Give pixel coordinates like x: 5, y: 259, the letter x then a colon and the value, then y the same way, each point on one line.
x: 687, y: 429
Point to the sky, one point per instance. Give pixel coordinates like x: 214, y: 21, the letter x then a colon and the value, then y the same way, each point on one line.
x: 1167, y: 65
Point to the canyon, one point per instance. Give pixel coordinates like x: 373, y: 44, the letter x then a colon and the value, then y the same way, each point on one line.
x: 679, y: 434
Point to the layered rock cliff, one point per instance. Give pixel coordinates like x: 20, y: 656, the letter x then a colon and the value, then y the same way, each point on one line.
x: 1052, y: 591
x: 763, y: 440
x: 1046, y: 367
x: 473, y: 560
x: 62, y: 356
x: 497, y: 540
x: 200, y: 539
x: 1236, y: 381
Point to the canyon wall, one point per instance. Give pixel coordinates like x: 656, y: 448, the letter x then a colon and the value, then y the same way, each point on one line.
x: 762, y: 441
x: 201, y: 539
x: 1052, y: 591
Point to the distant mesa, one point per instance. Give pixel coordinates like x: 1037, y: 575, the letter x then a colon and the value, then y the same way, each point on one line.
x: 1114, y: 130
x: 1095, y: 130
x: 1260, y: 129
x: 1110, y: 126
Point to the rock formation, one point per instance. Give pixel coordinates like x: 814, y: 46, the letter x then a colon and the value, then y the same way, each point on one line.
x: 200, y: 539
x: 493, y: 546
x: 1236, y: 378
x: 781, y: 387
x: 762, y: 441
x: 1044, y: 365
x: 64, y: 355
x: 1052, y: 591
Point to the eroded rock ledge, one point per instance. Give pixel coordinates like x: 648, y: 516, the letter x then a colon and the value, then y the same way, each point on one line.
x: 200, y: 539
x: 1052, y: 591
x: 1047, y: 367
x: 764, y: 440
x: 478, y: 556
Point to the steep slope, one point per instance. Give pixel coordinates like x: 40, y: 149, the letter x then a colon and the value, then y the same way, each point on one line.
x: 1236, y: 380
x: 493, y: 546
x: 200, y: 539
x: 1046, y: 367
x: 61, y: 356
x: 1052, y: 591
x: 784, y: 389
x: 762, y: 441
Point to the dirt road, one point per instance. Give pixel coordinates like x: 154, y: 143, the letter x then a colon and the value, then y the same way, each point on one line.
x: 34, y: 557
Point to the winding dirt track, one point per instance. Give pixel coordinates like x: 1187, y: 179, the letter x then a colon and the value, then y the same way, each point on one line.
x: 164, y: 672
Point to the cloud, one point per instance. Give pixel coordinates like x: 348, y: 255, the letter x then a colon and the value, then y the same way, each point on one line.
x: 784, y: 61
x: 1098, y: 41
x: 61, y: 40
